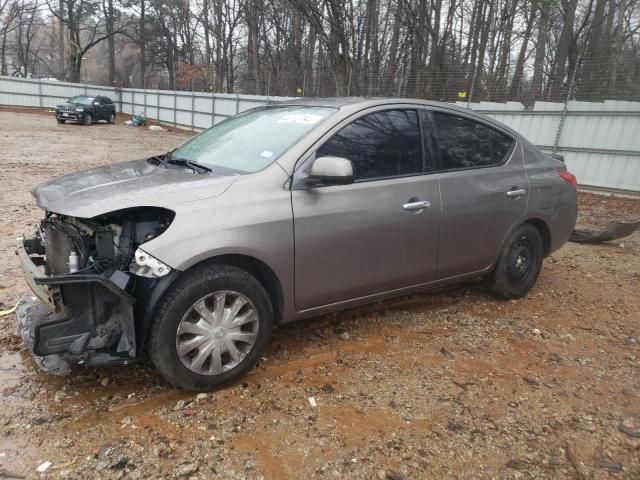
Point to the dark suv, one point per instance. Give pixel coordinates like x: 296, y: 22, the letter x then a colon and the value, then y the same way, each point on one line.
x: 86, y: 110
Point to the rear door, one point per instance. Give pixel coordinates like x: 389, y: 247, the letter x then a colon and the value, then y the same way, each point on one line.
x: 104, y: 108
x: 484, y: 190
x: 374, y: 235
x: 109, y: 107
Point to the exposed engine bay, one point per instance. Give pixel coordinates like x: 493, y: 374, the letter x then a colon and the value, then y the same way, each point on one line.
x: 102, y: 245
x: 93, y: 282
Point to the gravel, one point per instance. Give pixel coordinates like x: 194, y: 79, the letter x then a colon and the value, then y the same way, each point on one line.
x: 455, y: 384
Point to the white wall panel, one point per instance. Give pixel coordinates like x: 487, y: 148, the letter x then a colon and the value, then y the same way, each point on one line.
x: 183, y: 102
x: 166, y: 115
x: 166, y: 99
x: 600, y: 140
x: 203, y: 104
x: 201, y: 120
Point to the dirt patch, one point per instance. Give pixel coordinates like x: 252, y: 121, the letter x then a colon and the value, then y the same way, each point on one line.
x: 450, y: 384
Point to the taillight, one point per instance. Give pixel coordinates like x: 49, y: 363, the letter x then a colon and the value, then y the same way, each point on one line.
x: 569, y: 177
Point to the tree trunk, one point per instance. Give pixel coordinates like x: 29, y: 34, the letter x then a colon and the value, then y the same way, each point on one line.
x: 541, y: 45
x: 484, y: 37
x: 254, y: 10
x: 592, y: 79
x: 220, y: 62
x: 207, y: 42
x: 3, y: 51
x: 519, y: 71
x: 143, y: 46
x: 419, y: 47
x: 61, y: 67
x: 564, y: 46
x: 111, y: 43
x: 503, y: 68
x: 390, y: 73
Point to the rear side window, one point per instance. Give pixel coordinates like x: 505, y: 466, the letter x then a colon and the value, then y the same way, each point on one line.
x: 465, y: 143
x: 381, y: 144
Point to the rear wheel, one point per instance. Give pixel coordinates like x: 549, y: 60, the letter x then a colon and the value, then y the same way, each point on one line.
x: 212, y: 328
x: 519, y: 264
x: 87, y: 120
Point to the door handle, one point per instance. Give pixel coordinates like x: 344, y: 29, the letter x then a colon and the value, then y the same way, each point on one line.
x: 516, y: 193
x: 416, y: 205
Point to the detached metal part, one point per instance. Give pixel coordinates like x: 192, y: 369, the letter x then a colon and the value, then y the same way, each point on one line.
x: 614, y: 231
x: 145, y: 265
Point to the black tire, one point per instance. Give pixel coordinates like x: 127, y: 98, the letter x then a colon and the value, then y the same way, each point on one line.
x: 112, y: 118
x: 60, y: 120
x: 519, y: 264
x: 191, y: 288
x: 87, y: 120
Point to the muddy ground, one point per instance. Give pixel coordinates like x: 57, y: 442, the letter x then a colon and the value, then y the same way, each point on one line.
x: 454, y: 384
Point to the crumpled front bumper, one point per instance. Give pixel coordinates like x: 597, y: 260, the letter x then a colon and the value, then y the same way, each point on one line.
x: 29, y: 313
x: 75, y: 318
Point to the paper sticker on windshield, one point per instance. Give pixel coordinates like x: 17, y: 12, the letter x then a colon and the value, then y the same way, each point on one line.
x: 300, y: 118
x: 266, y: 154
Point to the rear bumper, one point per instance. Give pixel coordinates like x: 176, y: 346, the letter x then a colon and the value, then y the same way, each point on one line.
x: 75, y: 318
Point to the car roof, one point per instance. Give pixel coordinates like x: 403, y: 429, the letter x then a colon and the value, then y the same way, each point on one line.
x: 338, y: 102
x: 358, y: 103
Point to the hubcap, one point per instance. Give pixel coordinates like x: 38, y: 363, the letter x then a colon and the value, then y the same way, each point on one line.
x: 217, y: 333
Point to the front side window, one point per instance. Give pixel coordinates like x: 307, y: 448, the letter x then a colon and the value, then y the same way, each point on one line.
x: 252, y: 140
x: 381, y: 144
x: 465, y: 143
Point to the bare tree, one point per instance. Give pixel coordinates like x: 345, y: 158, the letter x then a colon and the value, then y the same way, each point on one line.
x: 84, y: 31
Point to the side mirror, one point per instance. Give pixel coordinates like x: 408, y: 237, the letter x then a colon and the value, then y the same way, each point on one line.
x: 331, y: 171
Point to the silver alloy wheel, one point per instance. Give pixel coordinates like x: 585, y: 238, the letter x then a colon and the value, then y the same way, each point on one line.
x: 217, y: 333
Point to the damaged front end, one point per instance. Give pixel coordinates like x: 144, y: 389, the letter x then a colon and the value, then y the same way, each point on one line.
x: 94, y: 286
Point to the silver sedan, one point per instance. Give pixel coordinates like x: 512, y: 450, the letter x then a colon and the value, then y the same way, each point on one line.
x: 280, y: 213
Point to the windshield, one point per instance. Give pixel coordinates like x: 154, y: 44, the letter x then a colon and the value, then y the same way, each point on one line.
x: 250, y: 141
x: 81, y: 100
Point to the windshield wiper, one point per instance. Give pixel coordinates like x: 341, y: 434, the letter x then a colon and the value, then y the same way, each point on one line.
x: 189, y: 163
x: 160, y: 159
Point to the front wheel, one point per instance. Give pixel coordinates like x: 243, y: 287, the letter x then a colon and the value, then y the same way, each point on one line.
x: 112, y: 118
x: 60, y: 120
x: 519, y: 264
x: 211, y: 328
x: 87, y: 120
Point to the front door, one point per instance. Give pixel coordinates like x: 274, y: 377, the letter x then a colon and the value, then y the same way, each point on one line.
x: 379, y: 233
